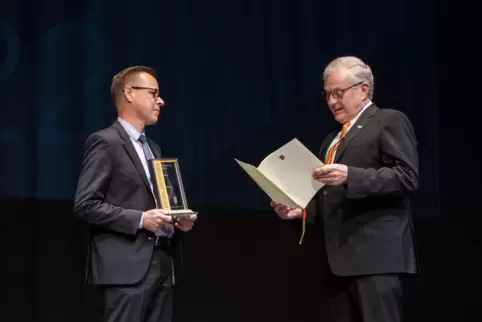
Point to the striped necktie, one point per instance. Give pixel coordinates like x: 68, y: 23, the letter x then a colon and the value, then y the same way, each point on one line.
x: 331, y: 152
x: 328, y: 159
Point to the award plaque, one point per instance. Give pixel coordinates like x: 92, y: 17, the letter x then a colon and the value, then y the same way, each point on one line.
x: 169, y: 187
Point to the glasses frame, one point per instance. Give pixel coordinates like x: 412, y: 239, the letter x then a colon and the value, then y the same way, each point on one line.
x: 155, y: 94
x: 338, y: 93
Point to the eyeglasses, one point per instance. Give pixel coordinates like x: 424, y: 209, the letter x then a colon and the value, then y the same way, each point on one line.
x: 338, y: 93
x: 154, y: 91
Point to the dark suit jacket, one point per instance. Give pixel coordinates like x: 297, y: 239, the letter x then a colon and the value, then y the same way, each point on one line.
x: 112, y: 192
x: 367, y: 222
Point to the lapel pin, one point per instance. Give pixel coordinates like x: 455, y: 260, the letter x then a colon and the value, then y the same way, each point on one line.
x: 359, y: 126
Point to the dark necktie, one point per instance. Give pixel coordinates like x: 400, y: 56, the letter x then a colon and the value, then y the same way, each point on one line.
x: 149, y: 157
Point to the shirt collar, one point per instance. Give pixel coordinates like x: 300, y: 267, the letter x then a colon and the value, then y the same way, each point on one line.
x: 131, y: 130
x: 360, y: 113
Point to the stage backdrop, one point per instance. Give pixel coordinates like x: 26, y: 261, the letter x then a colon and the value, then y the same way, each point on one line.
x: 240, y: 79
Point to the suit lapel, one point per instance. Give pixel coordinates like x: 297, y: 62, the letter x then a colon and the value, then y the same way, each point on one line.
x: 362, y: 121
x: 156, y: 151
x: 131, y: 151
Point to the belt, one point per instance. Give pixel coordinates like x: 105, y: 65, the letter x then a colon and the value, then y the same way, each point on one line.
x: 162, y: 242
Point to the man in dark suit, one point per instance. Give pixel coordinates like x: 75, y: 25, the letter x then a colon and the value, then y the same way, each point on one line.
x: 134, y: 246
x: 363, y: 211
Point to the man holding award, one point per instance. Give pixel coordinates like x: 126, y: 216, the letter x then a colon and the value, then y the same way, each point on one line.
x: 363, y: 210
x: 123, y: 193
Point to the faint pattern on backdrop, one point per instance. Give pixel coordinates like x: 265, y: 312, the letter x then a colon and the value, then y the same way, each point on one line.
x: 240, y: 79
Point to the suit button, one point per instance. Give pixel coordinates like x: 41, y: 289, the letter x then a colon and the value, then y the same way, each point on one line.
x: 150, y: 238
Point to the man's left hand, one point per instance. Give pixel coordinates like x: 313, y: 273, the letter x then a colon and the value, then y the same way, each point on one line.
x: 331, y: 174
x: 185, y: 223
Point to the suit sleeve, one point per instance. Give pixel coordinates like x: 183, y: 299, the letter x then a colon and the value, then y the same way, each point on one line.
x: 94, y: 180
x: 398, y: 153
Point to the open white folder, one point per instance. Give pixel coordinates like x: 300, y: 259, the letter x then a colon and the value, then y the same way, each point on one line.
x: 285, y: 174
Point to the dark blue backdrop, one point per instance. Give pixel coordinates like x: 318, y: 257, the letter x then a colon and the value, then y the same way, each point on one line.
x: 240, y: 78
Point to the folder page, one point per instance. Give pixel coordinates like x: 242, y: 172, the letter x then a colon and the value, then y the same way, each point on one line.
x: 270, y: 188
x: 290, y: 169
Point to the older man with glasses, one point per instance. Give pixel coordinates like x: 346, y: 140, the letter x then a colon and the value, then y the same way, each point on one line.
x: 363, y: 212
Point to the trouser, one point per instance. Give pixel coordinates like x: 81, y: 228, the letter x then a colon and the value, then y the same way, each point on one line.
x: 150, y: 300
x: 371, y: 298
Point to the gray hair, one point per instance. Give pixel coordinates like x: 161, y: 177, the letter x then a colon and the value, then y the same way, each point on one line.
x: 358, y: 70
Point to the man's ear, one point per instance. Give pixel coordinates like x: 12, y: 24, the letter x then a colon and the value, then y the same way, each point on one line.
x: 365, y: 89
x: 128, y: 94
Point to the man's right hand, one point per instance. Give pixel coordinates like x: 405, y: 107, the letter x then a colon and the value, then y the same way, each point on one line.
x: 286, y: 212
x: 154, y: 219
